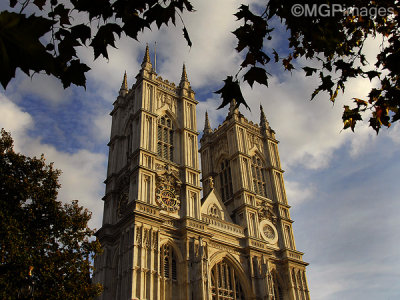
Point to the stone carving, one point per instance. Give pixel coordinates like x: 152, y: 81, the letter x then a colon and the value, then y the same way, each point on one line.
x: 154, y: 243
x: 139, y: 236
x: 168, y: 188
x: 165, y: 99
x: 266, y: 212
x: 254, y: 141
x: 211, y: 182
x: 146, y: 238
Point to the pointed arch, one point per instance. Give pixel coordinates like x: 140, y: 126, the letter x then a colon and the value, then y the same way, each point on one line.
x: 214, y: 211
x: 224, y: 178
x: 259, y: 174
x: 300, y: 286
x: 256, y: 152
x: 278, y: 286
x: 170, y: 274
x: 166, y: 137
x: 227, y: 278
x: 294, y: 282
x: 175, y: 247
x: 169, y: 114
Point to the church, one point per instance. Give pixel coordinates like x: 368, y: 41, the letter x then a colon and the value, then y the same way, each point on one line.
x: 162, y: 238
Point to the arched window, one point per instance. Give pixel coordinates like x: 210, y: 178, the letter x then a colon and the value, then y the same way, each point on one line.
x: 226, y: 181
x: 165, y: 137
x: 259, y: 182
x: 278, y: 292
x: 300, y: 286
x: 168, y: 263
x: 225, y: 284
x: 214, y: 211
x: 295, y: 285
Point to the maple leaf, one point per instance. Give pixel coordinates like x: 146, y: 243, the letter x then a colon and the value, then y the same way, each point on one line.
x: 231, y: 91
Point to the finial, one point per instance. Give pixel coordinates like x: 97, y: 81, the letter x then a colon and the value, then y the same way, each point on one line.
x: 207, y: 127
x: 184, y: 75
x: 124, y: 86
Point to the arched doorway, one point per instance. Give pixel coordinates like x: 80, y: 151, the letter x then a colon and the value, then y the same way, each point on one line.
x: 225, y: 283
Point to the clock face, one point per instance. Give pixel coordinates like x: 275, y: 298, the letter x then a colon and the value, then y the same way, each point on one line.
x: 166, y: 198
x: 269, y: 232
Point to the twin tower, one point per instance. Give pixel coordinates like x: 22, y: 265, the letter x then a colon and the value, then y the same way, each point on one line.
x: 162, y: 238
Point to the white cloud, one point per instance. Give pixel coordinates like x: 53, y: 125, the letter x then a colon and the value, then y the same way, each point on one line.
x: 83, y: 171
x: 297, y: 193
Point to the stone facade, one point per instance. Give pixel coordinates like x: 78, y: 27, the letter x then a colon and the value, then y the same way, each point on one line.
x: 161, y: 240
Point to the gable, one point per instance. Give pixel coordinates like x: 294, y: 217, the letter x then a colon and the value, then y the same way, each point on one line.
x: 213, y: 205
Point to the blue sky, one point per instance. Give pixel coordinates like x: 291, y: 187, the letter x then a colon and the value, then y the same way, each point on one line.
x: 343, y: 186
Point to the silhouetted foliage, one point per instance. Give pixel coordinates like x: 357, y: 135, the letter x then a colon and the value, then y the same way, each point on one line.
x: 334, y: 44
x: 44, y: 245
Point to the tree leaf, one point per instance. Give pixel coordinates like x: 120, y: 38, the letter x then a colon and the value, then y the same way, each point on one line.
x: 39, y: 3
x: 62, y: 12
x: 187, y: 38
x: 13, y: 3
x: 231, y: 91
x: 103, y: 38
x: 256, y: 74
x: 372, y: 74
x: 82, y: 32
x: 20, y: 45
x: 75, y: 74
x: 309, y: 71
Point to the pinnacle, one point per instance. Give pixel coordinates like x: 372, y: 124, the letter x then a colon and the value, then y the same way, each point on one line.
x: 207, y: 127
x: 146, y: 58
x: 184, y: 75
x: 124, y: 85
x: 263, y: 119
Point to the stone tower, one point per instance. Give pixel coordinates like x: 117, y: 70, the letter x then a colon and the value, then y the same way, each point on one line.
x: 160, y: 239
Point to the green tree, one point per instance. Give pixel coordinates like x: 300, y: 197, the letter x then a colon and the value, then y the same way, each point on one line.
x: 44, y: 245
x: 332, y: 38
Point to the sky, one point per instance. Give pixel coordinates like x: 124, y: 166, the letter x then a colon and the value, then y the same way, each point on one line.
x: 343, y: 187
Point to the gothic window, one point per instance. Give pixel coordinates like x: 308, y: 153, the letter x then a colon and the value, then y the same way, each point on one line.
x: 226, y: 181
x: 214, y: 211
x: 225, y: 284
x: 168, y: 263
x: 165, y: 137
x: 278, y: 292
x: 300, y: 286
x: 259, y: 182
x: 295, y: 285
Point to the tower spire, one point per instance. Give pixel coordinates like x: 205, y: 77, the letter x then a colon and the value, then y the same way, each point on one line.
x: 184, y: 75
x: 124, y: 86
x: 184, y: 84
x: 146, y: 64
x: 207, y: 127
x: 263, y: 120
x: 146, y: 58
